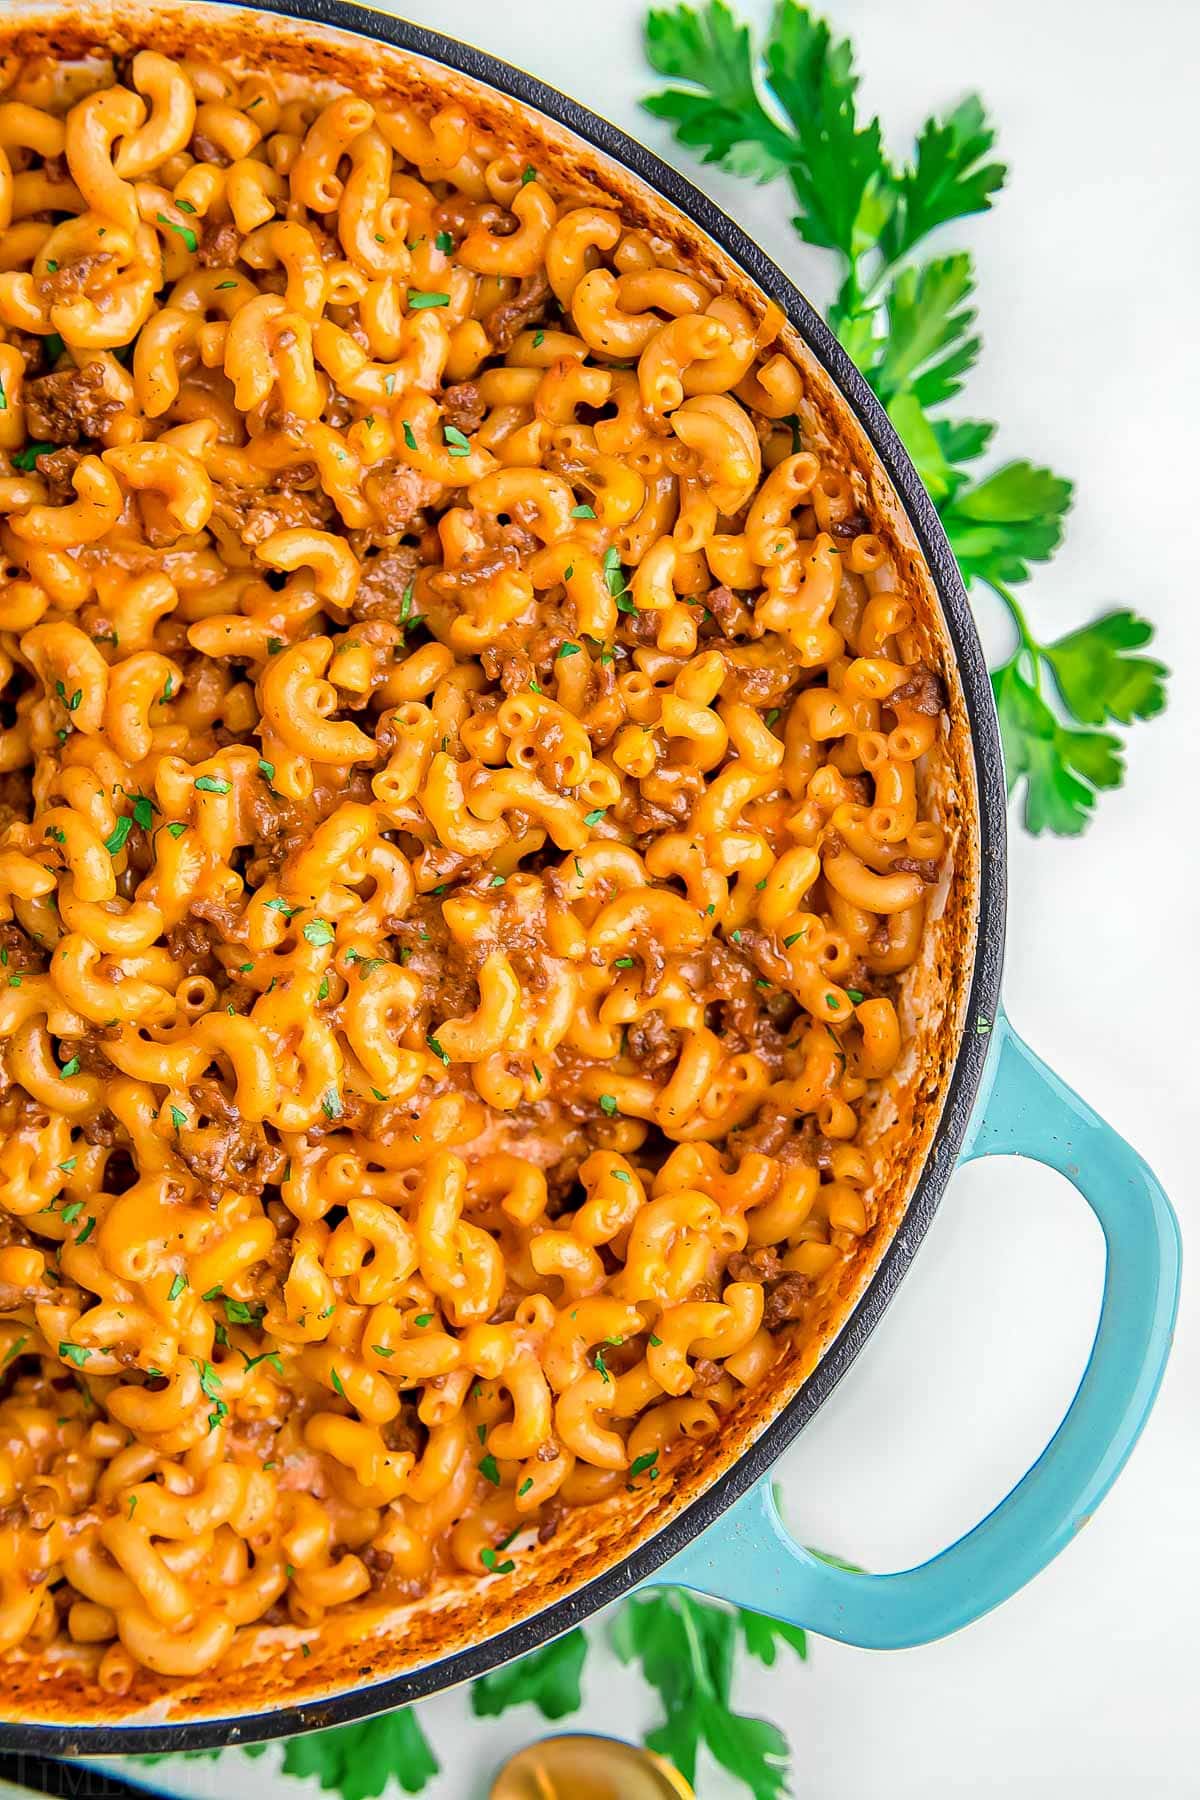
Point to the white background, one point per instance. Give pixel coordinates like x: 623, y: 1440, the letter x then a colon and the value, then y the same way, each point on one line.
x: 1085, y: 1684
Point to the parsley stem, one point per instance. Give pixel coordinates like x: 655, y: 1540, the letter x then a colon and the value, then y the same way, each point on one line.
x: 1028, y: 642
x: 695, y: 1648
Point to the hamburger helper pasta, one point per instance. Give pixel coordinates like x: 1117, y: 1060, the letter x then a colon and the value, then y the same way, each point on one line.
x: 460, y: 837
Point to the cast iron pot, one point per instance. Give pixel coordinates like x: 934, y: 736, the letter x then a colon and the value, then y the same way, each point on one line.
x: 971, y: 1089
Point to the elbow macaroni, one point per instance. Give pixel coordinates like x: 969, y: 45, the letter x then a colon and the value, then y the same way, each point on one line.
x: 461, y: 832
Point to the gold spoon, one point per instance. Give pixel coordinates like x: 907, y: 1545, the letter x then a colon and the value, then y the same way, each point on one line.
x: 578, y: 1766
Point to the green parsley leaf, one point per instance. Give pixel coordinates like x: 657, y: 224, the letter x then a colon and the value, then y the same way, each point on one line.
x: 719, y: 115
x: 686, y: 1650
x: 120, y: 832
x: 418, y: 300
x: 69, y: 1214
x: 1014, y: 517
x: 185, y: 231
x: 176, y: 828
x: 547, y: 1678
x: 488, y: 1557
x: 608, y: 1105
x: 444, y: 242
x: 929, y: 345
x: 1063, y: 770
x: 489, y: 1470
x: 210, y: 1381
x: 211, y: 784
x: 319, y: 932
x: 456, y: 443
x: 336, y: 1380
x: 949, y: 178
x: 69, y: 1068
x: 359, y: 1761
x: 74, y: 1353
x: 437, y: 1050
x: 1096, y: 677
x: 582, y: 512
x: 594, y: 817
x: 762, y: 1636
x: 177, y: 1287
x: 27, y: 457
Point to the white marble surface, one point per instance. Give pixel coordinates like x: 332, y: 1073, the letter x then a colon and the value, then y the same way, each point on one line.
x: 1085, y: 1683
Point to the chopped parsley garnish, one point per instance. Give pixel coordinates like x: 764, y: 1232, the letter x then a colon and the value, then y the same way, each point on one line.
x: 185, y: 231
x: 26, y: 458
x: 119, y: 833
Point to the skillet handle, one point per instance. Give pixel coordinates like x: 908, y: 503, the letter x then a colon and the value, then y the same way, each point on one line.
x: 748, y: 1557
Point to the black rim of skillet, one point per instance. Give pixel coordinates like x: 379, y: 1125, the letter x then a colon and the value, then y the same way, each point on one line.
x: 560, y: 1616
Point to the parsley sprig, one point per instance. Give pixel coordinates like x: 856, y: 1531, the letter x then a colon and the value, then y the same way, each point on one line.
x: 788, y: 111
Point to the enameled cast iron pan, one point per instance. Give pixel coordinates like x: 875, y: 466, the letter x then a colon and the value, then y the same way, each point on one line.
x: 970, y: 1088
